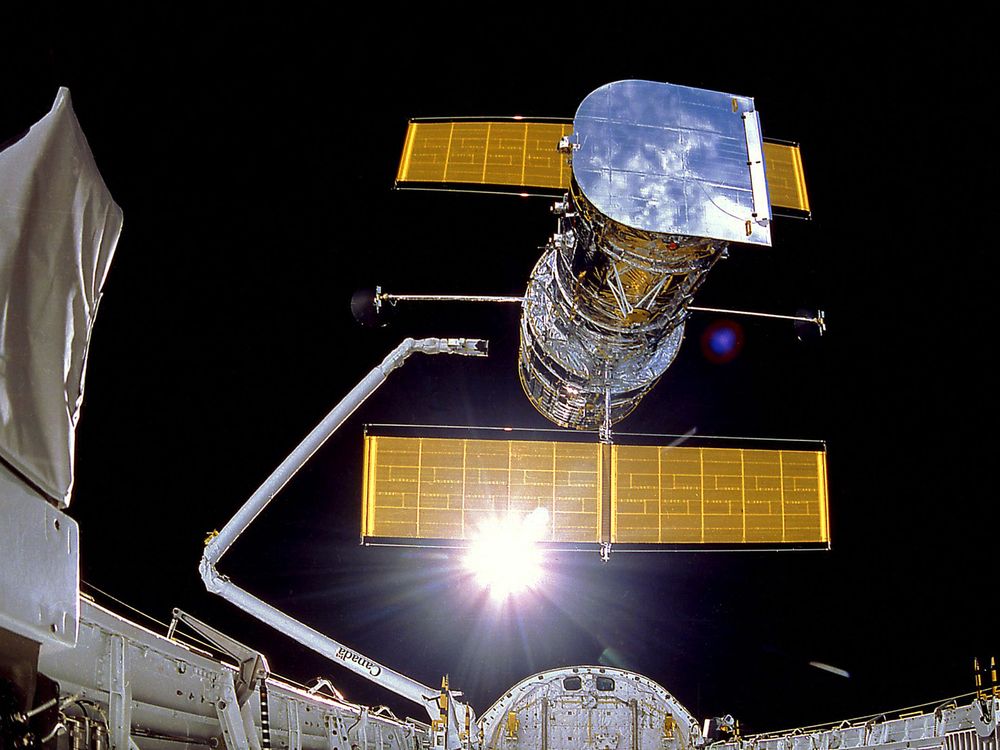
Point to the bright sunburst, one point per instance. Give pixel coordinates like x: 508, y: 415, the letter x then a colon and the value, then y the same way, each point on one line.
x: 504, y: 555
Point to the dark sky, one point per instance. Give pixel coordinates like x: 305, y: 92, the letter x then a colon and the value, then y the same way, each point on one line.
x: 254, y: 159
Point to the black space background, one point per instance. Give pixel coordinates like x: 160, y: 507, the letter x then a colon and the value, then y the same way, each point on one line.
x: 254, y: 157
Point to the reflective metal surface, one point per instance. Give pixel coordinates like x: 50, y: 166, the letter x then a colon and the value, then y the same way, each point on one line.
x: 175, y: 692
x: 39, y: 566
x: 604, y: 312
x: 589, y: 707
x: 673, y: 160
x: 566, y: 368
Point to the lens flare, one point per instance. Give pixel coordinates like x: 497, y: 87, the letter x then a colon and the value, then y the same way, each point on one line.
x: 722, y: 341
x: 504, y: 555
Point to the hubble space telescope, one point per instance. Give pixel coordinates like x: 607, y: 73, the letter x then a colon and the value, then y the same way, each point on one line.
x: 654, y: 182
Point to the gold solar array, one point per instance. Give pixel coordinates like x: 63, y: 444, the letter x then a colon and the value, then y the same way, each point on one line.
x: 440, y: 488
x: 524, y: 154
x: 786, y: 182
x: 444, y: 488
x: 677, y: 495
x: 516, y: 153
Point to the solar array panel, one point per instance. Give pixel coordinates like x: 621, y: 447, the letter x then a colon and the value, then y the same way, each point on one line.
x: 519, y: 153
x: 514, y: 153
x: 786, y: 182
x: 424, y: 488
x: 671, y: 495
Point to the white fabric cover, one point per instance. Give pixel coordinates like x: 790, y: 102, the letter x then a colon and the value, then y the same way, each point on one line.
x: 58, y: 230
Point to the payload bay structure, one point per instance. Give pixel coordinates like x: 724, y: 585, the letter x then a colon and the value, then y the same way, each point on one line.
x: 656, y: 182
x: 75, y: 675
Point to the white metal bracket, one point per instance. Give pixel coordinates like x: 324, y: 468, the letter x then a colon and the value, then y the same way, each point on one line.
x: 230, y: 719
x: 119, y: 695
x: 336, y: 733
x: 294, y: 727
x: 250, y: 726
x: 755, y: 163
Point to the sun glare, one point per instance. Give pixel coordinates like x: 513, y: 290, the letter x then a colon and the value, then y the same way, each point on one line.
x: 504, y: 556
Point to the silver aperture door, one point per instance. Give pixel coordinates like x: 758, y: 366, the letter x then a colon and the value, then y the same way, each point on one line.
x: 674, y: 160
